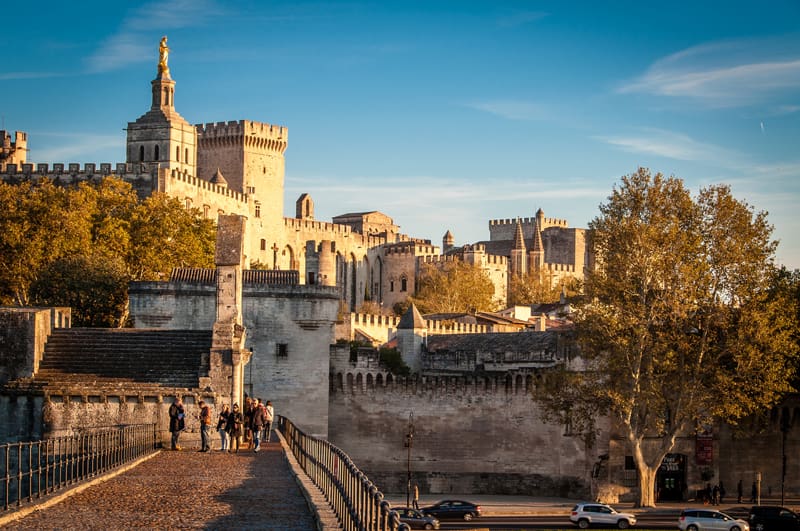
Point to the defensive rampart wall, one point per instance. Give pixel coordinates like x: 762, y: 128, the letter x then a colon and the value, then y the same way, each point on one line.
x: 471, y: 435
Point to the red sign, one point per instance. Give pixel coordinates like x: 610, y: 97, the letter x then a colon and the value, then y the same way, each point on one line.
x: 704, y: 450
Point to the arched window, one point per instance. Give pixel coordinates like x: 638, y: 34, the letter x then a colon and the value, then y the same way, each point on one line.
x: 403, y: 284
x: 141, y: 153
x: 178, y: 153
x: 155, y: 153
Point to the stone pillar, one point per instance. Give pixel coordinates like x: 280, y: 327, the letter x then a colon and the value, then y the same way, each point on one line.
x: 228, y: 355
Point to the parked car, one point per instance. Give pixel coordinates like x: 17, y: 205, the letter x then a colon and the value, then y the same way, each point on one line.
x: 415, y: 519
x: 707, y: 520
x: 773, y: 518
x: 449, y: 509
x: 598, y: 514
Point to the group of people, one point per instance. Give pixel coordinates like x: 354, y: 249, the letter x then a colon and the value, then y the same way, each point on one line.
x: 713, y: 495
x: 254, y: 424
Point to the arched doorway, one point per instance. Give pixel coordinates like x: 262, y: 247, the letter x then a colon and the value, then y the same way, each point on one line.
x: 671, y: 478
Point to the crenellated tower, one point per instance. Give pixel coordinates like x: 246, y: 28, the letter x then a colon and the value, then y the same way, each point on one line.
x: 161, y: 138
x: 13, y: 152
x: 251, y: 156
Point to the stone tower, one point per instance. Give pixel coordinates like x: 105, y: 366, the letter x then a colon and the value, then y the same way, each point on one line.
x: 250, y: 156
x: 304, y: 207
x: 13, y: 152
x: 228, y: 340
x: 448, y: 241
x: 411, y: 335
x: 161, y: 138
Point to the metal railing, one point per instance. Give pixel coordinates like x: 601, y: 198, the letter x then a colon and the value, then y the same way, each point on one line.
x: 34, y: 469
x: 357, y: 502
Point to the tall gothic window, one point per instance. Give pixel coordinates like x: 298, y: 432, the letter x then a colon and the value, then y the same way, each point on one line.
x: 258, y: 210
x: 404, y: 284
x: 186, y: 156
x: 178, y: 153
x: 155, y: 153
x: 141, y: 153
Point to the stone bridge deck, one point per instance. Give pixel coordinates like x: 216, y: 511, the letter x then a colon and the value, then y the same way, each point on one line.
x: 187, y: 490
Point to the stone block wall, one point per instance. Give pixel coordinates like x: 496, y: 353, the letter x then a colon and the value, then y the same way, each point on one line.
x: 470, y: 436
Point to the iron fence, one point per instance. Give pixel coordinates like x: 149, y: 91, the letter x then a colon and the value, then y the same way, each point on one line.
x: 357, y: 502
x: 34, y: 469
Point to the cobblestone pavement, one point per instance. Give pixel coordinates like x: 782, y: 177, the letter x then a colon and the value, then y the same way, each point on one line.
x: 187, y: 490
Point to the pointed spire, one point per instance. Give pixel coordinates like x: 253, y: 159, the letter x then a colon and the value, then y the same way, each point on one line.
x: 219, y: 179
x: 411, y: 319
x: 537, y: 245
x: 519, y: 238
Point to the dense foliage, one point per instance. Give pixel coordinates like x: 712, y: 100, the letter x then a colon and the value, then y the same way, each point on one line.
x: 536, y: 287
x: 79, y: 246
x: 686, y: 321
x: 454, y: 287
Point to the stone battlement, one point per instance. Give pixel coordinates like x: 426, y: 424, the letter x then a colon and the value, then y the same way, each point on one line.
x: 411, y: 247
x: 358, y: 382
x: 134, y: 173
x: 567, y: 268
x: 547, y: 222
x: 383, y: 328
x: 253, y: 134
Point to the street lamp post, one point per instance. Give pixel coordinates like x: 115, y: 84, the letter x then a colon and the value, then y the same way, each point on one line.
x: 408, y: 444
x: 785, y: 425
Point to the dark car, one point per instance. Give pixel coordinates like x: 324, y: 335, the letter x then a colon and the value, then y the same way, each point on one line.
x: 773, y: 518
x: 415, y: 519
x: 450, y: 509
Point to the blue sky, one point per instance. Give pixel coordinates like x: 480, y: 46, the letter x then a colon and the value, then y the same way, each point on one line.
x: 442, y: 115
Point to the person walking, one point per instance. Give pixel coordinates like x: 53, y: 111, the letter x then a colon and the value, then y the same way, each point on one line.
x: 176, y: 421
x: 222, y: 425
x: 235, y: 420
x: 205, y: 426
x: 416, y: 496
x: 259, y: 418
x: 269, y: 413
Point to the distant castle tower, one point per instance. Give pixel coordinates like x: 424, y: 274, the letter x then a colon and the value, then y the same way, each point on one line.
x: 411, y: 334
x: 448, y: 242
x: 161, y: 138
x: 304, y: 207
x: 13, y: 152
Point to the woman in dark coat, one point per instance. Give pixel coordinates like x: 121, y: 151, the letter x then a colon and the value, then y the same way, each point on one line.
x: 222, y: 426
x: 235, y: 422
x: 176, y: 421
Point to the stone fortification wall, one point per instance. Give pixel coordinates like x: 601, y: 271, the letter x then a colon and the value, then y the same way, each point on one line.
x: 384, y: 327
x: 289, y: 330
x: 23, y: 334
x: 504, y: 229
x: 565, y: 246
x: 471, y: 436
x: 35, y: 415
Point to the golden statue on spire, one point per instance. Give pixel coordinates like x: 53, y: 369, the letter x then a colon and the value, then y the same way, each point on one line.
x: 163, y: 56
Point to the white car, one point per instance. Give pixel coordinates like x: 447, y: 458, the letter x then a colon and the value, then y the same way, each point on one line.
x: 706, y: 520
x: 587, y: 514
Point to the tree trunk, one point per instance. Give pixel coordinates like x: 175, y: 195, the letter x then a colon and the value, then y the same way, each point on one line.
x: 647, y: 485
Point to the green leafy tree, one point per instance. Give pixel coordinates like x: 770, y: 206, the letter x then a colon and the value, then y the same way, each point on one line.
x: 453, y: 288
x: 79, y: 246
x: 537, y: 287
x: 94, y: 286
x: 165, y: 235
x: 682, y: 323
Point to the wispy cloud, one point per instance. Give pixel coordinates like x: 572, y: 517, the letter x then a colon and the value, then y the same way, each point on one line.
x: 80, y: 147
x: 133, y: 43
x: 724, y: 74
x: 668, y: 144
x: 512, y: 109
x: 7, y: 76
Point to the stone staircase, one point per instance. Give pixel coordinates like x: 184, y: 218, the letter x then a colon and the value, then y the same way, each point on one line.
x: 108, y: 359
